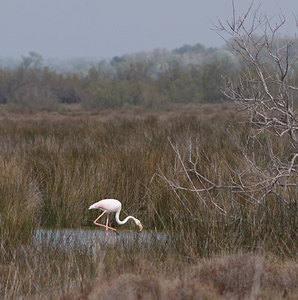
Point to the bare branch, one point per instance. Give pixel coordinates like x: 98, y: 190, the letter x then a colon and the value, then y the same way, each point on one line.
x: 266, y: 90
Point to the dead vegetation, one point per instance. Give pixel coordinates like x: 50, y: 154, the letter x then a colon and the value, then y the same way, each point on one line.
x: 55, y: 166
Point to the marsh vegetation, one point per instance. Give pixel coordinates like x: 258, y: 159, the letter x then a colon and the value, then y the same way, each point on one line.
x: 54, y: 165
x: 219, y: 185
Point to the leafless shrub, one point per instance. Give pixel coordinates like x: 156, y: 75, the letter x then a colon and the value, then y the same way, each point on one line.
x: 267, y: 145
x: 266, y: 90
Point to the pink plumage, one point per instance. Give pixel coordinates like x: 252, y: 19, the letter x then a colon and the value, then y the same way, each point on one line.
x: 112, y: 206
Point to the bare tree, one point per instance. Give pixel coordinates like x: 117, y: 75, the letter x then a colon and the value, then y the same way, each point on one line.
x: 266, y: 90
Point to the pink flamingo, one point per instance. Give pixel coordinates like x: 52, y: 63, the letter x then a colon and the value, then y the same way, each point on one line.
x: 112, y: 206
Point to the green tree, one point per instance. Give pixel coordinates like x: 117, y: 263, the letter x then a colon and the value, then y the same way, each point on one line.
x: 34, y: 60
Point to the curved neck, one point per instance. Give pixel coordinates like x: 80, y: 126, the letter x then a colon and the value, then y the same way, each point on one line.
x: 125, y: 220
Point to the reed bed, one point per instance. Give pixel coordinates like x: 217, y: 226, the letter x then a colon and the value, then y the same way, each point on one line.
x: 54, y: 165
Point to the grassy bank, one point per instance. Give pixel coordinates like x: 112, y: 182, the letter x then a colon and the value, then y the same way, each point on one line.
x: 54, y: 165
x: 135, y: 270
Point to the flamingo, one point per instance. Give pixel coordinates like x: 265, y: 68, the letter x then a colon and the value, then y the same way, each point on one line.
x: 112, y: 206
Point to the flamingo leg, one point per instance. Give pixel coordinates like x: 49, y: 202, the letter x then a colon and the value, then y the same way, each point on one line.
x: 106, y: 226
x: 98, y: 218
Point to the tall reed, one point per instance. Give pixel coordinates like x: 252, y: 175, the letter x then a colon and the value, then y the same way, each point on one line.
x: 21, y: 203
x: 53, y: 166
x: 68, y: 162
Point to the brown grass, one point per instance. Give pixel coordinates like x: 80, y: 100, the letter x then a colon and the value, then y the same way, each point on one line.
x: 238, y: 276
x: 54, y: 165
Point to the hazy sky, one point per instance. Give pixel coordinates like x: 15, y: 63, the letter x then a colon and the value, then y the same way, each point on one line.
x: 106, y: 28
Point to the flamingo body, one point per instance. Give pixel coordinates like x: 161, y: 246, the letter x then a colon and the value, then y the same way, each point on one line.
x: 112, y: 206
x: 108, y: 205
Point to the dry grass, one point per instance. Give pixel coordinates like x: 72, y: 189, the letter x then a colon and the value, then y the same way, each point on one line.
x: 53, y: 166
x: 238, y: 276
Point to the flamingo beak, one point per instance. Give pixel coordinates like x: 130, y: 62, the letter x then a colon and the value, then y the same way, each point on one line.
x: 92, y: 207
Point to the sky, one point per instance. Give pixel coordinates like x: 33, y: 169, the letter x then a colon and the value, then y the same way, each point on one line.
x: 108, y: 28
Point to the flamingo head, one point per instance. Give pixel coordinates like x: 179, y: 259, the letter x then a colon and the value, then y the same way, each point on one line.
x: 138, y: 222
x: 94, y: 206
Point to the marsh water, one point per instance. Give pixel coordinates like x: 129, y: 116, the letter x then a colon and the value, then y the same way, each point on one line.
x: 88, y: 237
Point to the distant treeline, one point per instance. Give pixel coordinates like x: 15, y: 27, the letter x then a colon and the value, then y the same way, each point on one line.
x: 190, y: 74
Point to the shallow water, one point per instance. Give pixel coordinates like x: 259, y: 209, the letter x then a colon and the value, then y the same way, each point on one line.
x: 85, y: 237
